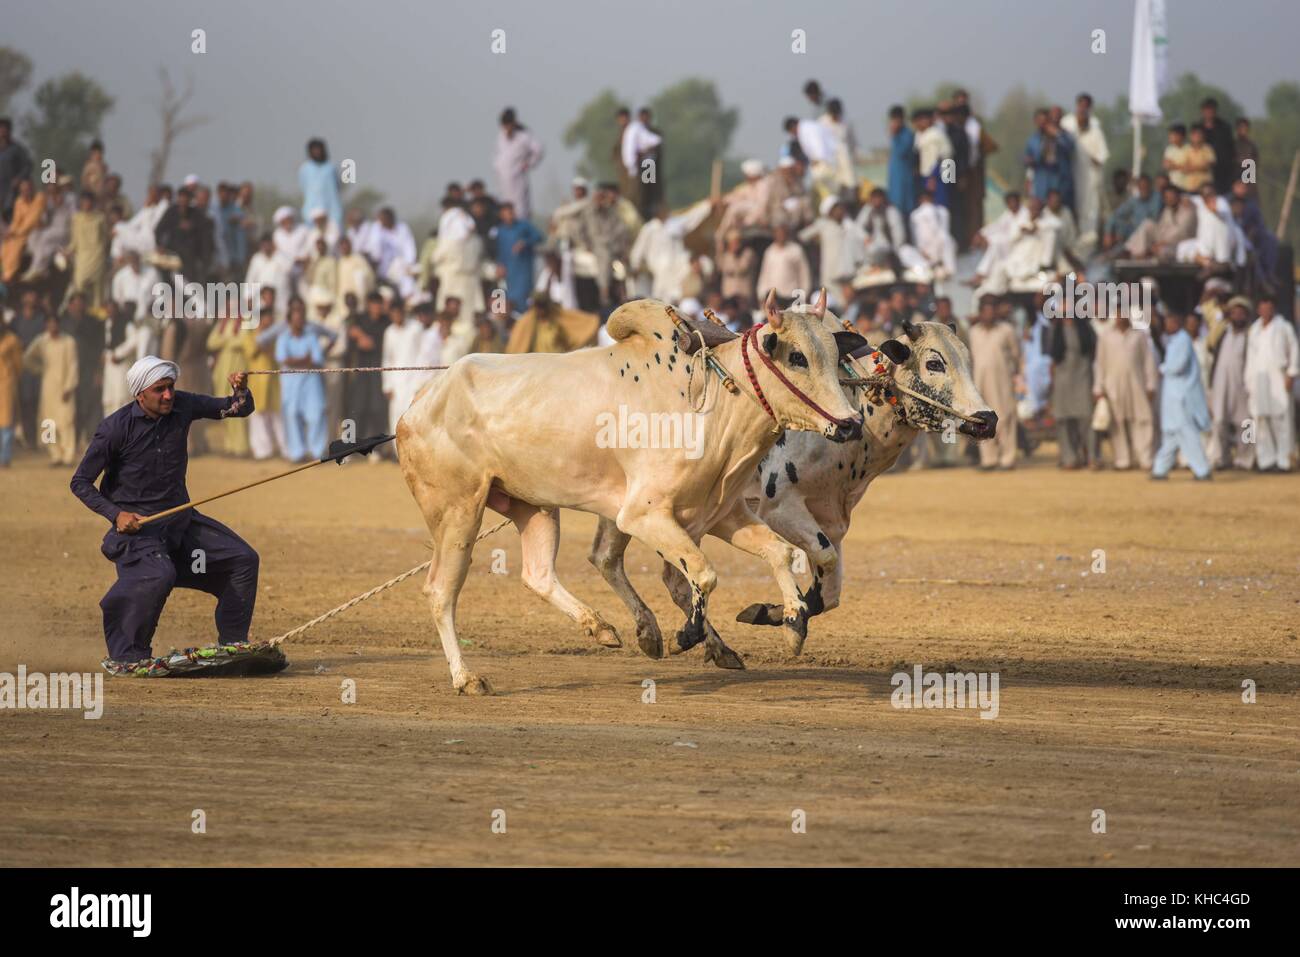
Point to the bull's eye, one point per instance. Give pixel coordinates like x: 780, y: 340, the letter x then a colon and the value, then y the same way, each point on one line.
x: 798, y: 359
x: 934, y: 365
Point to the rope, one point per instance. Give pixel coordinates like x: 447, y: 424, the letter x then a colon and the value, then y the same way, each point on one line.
x: 354, y: 369
x: 375, y: 591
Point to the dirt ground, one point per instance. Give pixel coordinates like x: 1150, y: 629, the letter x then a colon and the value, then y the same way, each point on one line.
x: 1119, y: 691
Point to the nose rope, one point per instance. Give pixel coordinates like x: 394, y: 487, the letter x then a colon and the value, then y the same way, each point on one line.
x: 883, y: 378
x: 749, y: 335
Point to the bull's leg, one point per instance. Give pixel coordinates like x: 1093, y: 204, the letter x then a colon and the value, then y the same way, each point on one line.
x: 539, y: 541
x: 715, y: 650
x: 747, y: 533
x: 453, y: 527
x: 659, y: 530
x: 607, y: 550
x: 793, y: 522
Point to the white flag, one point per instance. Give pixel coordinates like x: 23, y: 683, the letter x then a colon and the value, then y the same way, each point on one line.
x: 1149, y: 69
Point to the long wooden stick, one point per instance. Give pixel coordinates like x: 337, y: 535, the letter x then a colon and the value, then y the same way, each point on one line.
x: 203, y: 501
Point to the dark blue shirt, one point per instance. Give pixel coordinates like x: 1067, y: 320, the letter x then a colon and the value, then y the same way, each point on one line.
x: 144, y: 459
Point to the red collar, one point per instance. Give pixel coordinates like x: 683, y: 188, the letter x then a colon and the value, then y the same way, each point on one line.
x: 752, y: 333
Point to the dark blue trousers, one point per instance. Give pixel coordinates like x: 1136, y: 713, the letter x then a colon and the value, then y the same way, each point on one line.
x: 206, y: 556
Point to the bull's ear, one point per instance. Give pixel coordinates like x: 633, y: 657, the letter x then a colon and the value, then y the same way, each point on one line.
x: 771, y: 311
x: 769, y: 343
x: 897, y: 352
x: 849, y: 343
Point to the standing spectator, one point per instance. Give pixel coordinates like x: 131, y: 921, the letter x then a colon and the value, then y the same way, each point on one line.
x: 1073, y: 348
x: 1049, y: 159
x: 89, y: 249
x: 401, y: 347
x: 227, y: 344
x: 785, y: 268
x: 1184, y: 413
x: 840, y: 243
x: 1090, y: 157
x: 355, y: 277
x: 132, y: 290
x: 518, y: 151
x: 55, y: 230
x: 458, y: 258
x: 26, y: 211
x: 1246, y: 156
x: 981, y: 147
x: 932, y: 236
x: 516, y: 241
x: 28, y: 324
x: 390, y: 245
x: 932, y: 148
x: 604, y: 234
x: 186, y: 231
x: 995, y: 362
x: 87, y: 331
x: 1124, y: 374
x: 319, y: 182
x: 267, y: 270
x: 1218, y: 136
x: 292, y: 241
x: 93, y: 172
x: 11, y: 370
x: 651, y: 174
x: 1272, y: 365
x: 265, y: 423
x: 302, y: 397
x: 53, y: 356
x: 128, y: 339
x: 737, y: 266
x: 15, y: 166
x: 364, y: 398
x: 1229, y: 402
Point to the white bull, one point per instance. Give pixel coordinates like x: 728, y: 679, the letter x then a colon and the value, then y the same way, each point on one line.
x: 519, y: 432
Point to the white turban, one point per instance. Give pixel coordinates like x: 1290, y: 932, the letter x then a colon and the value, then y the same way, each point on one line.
x: 149, y: 370
x: 752, y: 168
x: 282, y: 213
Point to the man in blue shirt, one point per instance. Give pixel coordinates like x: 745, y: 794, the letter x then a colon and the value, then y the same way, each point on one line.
x: 141, y: 451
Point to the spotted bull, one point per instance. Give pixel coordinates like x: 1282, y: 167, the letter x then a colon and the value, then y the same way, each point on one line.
x: 519, y: 433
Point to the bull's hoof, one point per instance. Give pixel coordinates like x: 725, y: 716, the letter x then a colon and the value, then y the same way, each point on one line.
x: 796, y: 633
x: 685, y: 641
x: 723, y: 657
x: 649, y: 640
x: 607, y: 636
x: 474, y: 685
x: 760, y: 614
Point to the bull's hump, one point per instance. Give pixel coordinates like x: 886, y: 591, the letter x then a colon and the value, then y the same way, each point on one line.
x: 641, y: 317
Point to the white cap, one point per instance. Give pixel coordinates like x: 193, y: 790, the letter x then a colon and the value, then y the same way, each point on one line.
x: 752, y: 168
x: 829, y: 203
x: 785, y: 163
x: 281, y: 213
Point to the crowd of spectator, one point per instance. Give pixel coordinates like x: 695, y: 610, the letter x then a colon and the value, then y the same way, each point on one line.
x: 330, y: 287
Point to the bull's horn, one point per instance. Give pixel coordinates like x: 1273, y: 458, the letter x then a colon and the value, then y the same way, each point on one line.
x: 819, y: 307
x: 910, y: 329
x: 773, y: 313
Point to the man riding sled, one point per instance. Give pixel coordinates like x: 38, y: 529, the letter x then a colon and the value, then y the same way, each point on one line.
x: 141, y: 451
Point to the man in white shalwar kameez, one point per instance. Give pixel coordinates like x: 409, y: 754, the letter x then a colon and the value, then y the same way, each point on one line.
x: 1090, y: 157
x: 998, y: 236
x: 1272, y: 365
x: 518, y: 151
x: 660, y: 249
x: 390, y: 245
x: 458, y: 260
x: 1031, y: 255
x: 932, y: 236
x: 401, y: 348
x: 841, y: 243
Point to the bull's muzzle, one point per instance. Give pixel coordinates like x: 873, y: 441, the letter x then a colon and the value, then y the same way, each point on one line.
x: 985, y: 426
x: 846, y: 430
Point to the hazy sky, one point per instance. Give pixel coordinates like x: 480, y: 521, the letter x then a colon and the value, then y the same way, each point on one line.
x: 410, y: 90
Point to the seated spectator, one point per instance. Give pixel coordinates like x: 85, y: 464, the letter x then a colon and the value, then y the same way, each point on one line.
x: 1142, y: 205
x: 1159, y: 238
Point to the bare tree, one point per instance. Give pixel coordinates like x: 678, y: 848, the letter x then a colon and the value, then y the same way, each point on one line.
x: 175, y: 124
